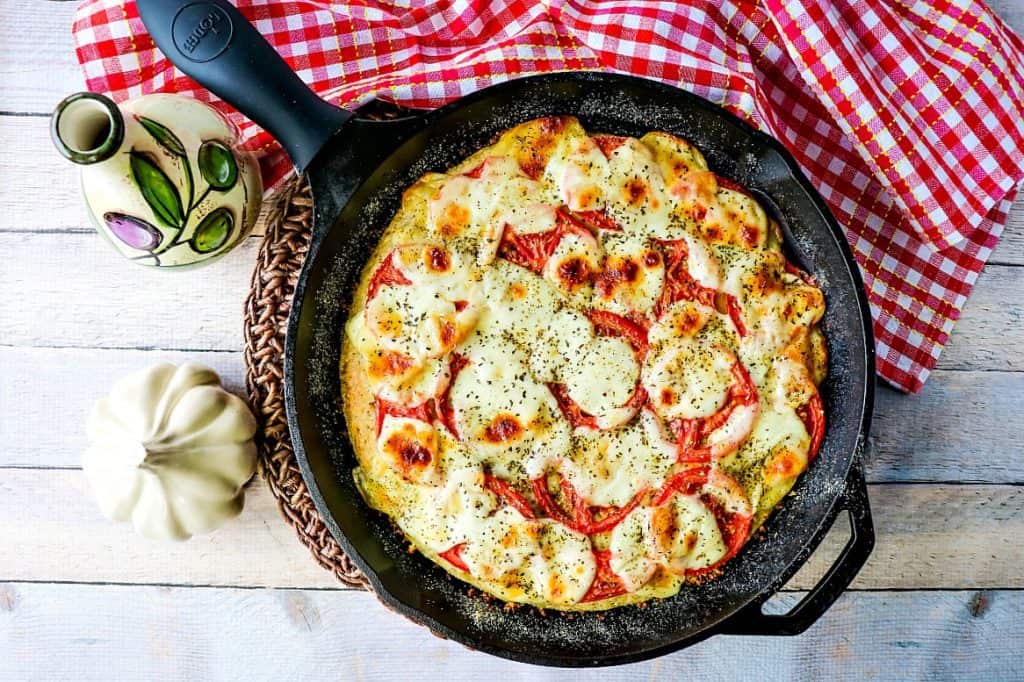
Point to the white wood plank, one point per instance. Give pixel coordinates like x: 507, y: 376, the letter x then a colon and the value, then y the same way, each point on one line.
x: 1010, y: 250
x: 39, y: 189
x: 928, y: 536
x: 105, y: 632
x: 31, y: 167
x: 99, y: 301
x: 989, y: 334
x: 38, y: 67
x: 75, y: 290
x: 956, y: 429
x: 53, y: 530
x: 935, y: 536
x: 42, y: 382
x: 26, y: 141
x: 970, y: 443
x: 1011, y: 11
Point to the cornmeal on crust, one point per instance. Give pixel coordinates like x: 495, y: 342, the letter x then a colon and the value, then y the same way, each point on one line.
x: 578, y: 370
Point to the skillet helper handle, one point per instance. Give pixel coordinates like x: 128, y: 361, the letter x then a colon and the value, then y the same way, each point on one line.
x: 213, y: 43
x: 753, y: 621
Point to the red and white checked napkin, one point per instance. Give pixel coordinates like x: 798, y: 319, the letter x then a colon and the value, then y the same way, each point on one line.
x: 907, y: 115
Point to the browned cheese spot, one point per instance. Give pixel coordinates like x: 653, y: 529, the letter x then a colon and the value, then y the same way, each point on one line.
x: 454, y: 220
x: 573, y: 273
x: 438, y: 260
x: 503, y: 428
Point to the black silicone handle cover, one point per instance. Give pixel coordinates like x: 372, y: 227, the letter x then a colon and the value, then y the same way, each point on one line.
x: 854, y: 499
x: 213, y: 43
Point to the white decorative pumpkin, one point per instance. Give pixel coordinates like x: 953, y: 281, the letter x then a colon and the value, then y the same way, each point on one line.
x: 170, y: 450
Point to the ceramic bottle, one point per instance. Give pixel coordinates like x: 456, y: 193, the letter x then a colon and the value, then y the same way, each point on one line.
x: 162, y: 176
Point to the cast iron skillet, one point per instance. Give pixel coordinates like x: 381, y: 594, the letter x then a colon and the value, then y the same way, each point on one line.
x: 358, y: 169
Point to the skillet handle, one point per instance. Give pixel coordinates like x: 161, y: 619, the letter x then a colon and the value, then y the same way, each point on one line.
x: 213, y: 43
x: 753, y: 621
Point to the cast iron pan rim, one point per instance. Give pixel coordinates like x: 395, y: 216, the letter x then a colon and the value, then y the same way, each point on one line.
x: 438, y: 628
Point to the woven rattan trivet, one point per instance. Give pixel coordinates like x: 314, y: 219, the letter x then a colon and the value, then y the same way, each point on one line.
x: 266, y: 319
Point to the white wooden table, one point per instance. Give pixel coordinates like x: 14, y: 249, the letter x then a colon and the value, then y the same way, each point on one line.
x: 82, y: 598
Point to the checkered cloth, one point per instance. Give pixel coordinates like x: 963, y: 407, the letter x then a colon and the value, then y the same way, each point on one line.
x: 907, y: 115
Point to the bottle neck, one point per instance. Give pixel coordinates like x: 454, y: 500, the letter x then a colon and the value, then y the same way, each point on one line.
x: 87, y: 128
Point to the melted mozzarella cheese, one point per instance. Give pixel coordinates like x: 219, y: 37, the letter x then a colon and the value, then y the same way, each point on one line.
x: 737, y: 427
x: 511, y: 422
x: 423, y: 319
x: 697, y: 541
x: 637, y: 198
x: 561, y: 343
x: 571, y: 264
x: 675, y: 157
x: 579, y: 171
x: 792, y: 385
x: 635, y: 274
x: 735, y: 218
x: 450, y: 515
x: 410, y: 446
x: 464, y: 210
x: 680, y: 535
x: 602, y: 379
x: 777, y: 430
x: 609, y: 468
x: 702, y: 264
x: 421, y: 384
x: 564, y: 569
x: 633, y: 550
x: 519, y: 306
x: 500, y: 544
x: 411, y: 321
x: 688, y: 378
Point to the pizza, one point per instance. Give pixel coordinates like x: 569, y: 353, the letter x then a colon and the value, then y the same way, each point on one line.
x: 578, y: 371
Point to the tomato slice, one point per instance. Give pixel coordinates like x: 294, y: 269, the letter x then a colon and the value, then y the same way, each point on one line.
x: 681, y: 286
x: 597, y: 220
x: 547, y: 503
x: 806, y: 277
x: 572, y: 412
x: 582, y: 517
x: 612, y: 516
x: 423, y: 412
x: 386, y: 273
x: 611, y: 324
x: 606, y: 584
x: 718, y: 492
x: 445, y: 411
x: 608, y: 143
x: 813, y: 416
x: 477, y: 171
x: 685, y: 482
x: 530, y: 251
x: 729, y: 184
x: 509, y: 495
x: 679, y: 283
x: 733, y: 524
x: 691, y: 433
x: 453, y: 555
x: 736, y: 314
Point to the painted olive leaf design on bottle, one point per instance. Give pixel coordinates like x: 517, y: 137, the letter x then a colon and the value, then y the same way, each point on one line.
x: 157, y: 189
x: 217, y: 165
x: 213, y: 231
x: 174, y: 206
x: 135, y: 232
x: 163, y: 136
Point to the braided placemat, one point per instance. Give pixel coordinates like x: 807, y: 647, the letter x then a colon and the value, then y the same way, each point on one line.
x: 281, y: 255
